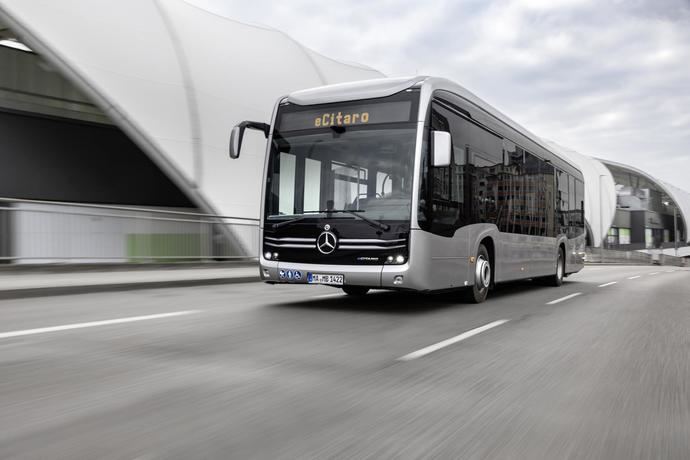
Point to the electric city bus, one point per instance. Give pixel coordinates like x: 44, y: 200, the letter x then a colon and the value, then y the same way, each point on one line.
x: 411, y: 184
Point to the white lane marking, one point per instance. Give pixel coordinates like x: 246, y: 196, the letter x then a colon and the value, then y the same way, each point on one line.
x: 608, y: 284
x: 337, y: 294
x: 633, y: 277
x: 670, y: 271
x: 66, y: 327
x: 653, y: 273
x: 458, y: 338
x: 563, y: 298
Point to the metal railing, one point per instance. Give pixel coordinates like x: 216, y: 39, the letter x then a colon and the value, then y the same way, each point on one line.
x: 39, y: 231
x: 610, y: 256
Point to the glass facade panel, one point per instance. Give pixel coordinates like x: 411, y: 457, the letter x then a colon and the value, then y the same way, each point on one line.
x: 648, y: 238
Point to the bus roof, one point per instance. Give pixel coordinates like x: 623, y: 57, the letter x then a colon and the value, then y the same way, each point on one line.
x: 351, y: 91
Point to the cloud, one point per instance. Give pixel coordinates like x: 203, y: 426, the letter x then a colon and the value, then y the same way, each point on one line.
x: 609, y: 78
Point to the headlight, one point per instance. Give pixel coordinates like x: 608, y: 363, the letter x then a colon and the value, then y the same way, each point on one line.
x: 397, y: 259
x: 268, y: 255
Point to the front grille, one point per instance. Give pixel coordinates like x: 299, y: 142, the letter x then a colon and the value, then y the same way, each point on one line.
x: 290, y: 242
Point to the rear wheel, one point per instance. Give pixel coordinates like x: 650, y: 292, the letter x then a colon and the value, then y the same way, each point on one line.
x: 355, y: 290
x: 557, y: 278
x: 482, y: 276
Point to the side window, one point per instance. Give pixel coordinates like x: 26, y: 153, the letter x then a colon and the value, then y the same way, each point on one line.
x: 572, y: 213
x: 485, y: 165
x: 534, y: 197
x: 549, y: 194
x: 510, y: 189
x: 580, y: 203
x: 562, y: 201
x: 538, y: 197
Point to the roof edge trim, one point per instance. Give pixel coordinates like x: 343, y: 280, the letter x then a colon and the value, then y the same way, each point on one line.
x: 363, y: 89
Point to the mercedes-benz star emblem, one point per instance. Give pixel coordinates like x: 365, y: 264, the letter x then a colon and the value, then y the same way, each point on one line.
x: 326, y: 243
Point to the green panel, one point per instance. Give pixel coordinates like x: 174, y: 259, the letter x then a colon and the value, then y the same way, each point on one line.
x: 166, y: 247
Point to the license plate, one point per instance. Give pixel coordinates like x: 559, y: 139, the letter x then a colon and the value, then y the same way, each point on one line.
x: 317, y: 278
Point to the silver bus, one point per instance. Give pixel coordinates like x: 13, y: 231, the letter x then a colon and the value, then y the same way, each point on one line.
x: 411, y: 184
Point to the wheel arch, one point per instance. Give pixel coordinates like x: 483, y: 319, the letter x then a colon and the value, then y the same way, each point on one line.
x: 489, y: 244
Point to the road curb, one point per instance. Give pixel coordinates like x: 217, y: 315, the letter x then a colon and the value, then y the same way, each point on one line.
x: 119, y: 287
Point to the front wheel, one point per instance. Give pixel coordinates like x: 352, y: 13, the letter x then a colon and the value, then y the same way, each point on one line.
x: 482, y: 276
x: 355, y: 290
x: 557, y: 278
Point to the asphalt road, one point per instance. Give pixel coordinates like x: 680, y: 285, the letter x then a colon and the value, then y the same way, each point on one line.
x: 257, y: 371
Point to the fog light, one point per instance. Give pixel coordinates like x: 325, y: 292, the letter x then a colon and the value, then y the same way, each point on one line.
x: 398, y: 279
x: 266, y: 273
x: 399, y: 259
x: 267, y: 255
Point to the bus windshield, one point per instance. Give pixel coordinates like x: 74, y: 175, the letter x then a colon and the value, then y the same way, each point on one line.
x: 365, y: 167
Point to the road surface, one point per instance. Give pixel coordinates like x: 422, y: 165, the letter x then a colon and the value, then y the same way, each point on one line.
x: 597, y: 368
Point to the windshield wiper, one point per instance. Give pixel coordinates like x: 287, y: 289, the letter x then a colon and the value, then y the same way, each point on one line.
x: 356, y: 213
x: 288, y: 222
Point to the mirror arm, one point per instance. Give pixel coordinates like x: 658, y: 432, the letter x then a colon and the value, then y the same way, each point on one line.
x: 263, y: 127
x: 238, y: 133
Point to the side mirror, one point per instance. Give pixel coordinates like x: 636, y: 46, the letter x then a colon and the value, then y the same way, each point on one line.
x: 237, y: 134
x: 441, y: 148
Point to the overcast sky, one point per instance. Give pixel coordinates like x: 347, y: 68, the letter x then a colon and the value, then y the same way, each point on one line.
x: 609, y: 78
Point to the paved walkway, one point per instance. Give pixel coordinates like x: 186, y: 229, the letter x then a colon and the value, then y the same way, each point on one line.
x: 44, y: 281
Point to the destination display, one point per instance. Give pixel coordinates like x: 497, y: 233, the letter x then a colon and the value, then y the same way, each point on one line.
x: 346, y: 115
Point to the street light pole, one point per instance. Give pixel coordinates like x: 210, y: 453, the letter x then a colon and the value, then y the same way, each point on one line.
x: 675, y: 228
x: 601, y: 216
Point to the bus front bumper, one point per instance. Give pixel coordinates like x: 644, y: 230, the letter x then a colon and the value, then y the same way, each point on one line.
x: 371, y: 276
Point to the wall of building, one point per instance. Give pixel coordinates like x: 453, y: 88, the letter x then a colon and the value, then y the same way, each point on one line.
x: 66, y: 160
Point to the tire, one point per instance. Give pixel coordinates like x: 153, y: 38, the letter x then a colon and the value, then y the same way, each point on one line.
x: 482, y: 278
x: 355, y: 290
x: 557, y: 278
